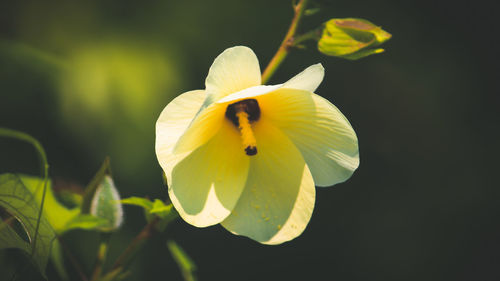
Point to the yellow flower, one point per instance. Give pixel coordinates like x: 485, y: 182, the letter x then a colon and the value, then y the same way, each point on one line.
x: 246, y: 155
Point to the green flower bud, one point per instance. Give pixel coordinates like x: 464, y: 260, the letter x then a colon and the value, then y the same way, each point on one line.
x: 106, y: 204
x: 351, y: 38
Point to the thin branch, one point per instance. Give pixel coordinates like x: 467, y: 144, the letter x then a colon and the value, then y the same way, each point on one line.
x: 314, y: 34
x: 287, y: 42
x: 138, y: 241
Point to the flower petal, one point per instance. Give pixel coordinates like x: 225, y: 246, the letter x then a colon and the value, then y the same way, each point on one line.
x: 236, y: 69
x: 278, y: 199
x: 308, y: 80
x: 172, y: 123
x: 319, y: 130
x: 207, y: 184
x: 202, y: 128
x: 250, y: 93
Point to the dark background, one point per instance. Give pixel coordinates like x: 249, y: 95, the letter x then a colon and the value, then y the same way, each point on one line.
x: 89, y: 78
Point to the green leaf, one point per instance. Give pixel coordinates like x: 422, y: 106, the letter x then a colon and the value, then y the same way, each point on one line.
x: 146, y: 205
x: 351, y: 38
x: 10, y: 239
x: 21, y: 204
x: 87, y: 222
x: 160, y: 209
x: 138, y: 201
x: 30, y: 214
x: 61, y: 219
x: 106, y: 204
x: 56, y: 213
x: 186, y: 265
x: 166, y: 213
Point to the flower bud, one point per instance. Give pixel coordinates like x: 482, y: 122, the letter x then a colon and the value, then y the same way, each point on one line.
x: 351, y: 38
x: 106, y: 204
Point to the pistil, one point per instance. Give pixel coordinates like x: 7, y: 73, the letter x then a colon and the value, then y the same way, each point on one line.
x: 247, y: 137
x: 242, y: 114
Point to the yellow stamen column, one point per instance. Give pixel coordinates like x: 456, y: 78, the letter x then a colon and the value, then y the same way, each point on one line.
x: 247, y: 137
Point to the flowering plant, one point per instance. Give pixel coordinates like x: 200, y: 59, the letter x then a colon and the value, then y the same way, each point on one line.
x: 240, y: 153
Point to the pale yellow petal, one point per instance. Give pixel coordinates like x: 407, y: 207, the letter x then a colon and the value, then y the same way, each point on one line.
x: 204, y: 126
x: 236, y: 69
x: 207, y: 183
x: 308, y: 80
x: 172, y: 123
x: 319, y: 130
x: 278, y: 199
x: 250, y: 93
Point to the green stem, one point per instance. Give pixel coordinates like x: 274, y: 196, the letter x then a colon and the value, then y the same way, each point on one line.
x: 129, y: 253
x: 314, y: 34
x: 4, y: 132
x: 101, y: 257
x: 133, y: 248
x: 286, y: 44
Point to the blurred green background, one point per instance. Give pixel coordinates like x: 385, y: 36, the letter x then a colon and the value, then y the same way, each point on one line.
x: 89, y: 78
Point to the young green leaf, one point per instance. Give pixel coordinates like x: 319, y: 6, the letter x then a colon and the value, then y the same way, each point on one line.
x: 160, y: 209
x: 138, y: 201
x: 145, y: 203
x: 152, y: 209
x: 16, y: 199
